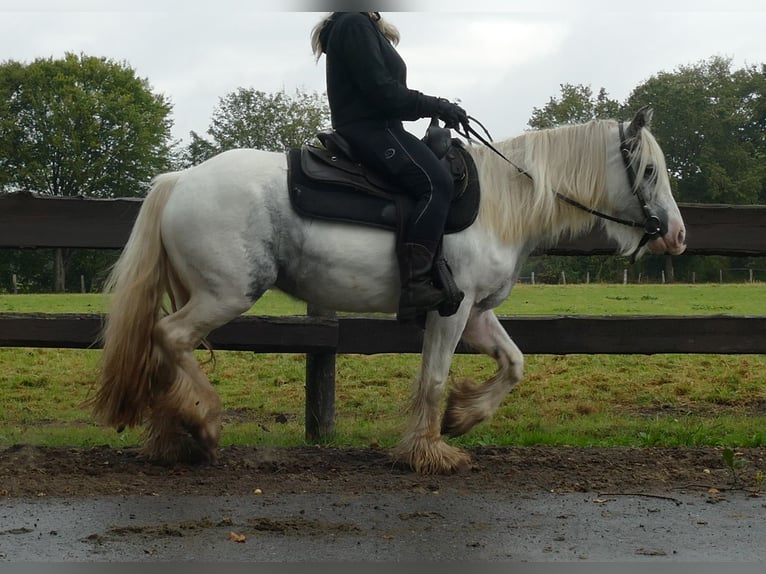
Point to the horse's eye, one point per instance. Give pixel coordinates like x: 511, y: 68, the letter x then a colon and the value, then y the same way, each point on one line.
x: 649, y: 172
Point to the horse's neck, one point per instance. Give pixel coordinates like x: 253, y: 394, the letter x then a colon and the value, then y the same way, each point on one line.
x: 521, y: 209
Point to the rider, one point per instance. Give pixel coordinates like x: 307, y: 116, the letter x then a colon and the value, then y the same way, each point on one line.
x: 369, y: 98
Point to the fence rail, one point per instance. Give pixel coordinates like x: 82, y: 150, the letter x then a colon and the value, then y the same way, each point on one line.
x: 557, y: 335
x: 28, y: 220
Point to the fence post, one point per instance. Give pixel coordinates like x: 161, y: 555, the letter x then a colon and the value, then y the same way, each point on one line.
x: 563, y: 278
x: 320, y: 389
x: 14, y: 284
x: 624, y: 276
x: 662, y: 274
x: 82, y: 283
x: 587, y: 277
x: 533, y: 277
x: 670, y: 272
x: 694, y: 276
x: 751, y: 275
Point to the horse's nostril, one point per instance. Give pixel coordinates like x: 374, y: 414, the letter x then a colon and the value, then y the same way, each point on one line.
x: 681, y: 236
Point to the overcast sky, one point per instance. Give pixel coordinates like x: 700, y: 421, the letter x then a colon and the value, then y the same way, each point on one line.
x: 500, y: 59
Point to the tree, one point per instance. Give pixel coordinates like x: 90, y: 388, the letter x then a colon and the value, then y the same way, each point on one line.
x: 253, y: 119
x: 576, y: 104
x: 711, y: 123
x: 80, y: 126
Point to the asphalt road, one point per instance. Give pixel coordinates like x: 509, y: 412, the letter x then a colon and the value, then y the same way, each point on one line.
x: 539, y: 527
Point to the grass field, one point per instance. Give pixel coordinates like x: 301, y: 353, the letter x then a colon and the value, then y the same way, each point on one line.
x: 670, y: 400
x: 707, y: 299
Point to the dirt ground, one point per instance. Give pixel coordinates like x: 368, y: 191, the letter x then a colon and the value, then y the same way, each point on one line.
x: 29, y: 471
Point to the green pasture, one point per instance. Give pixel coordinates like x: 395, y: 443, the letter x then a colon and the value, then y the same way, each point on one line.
x: 578, y: 400
x: 593, y: 299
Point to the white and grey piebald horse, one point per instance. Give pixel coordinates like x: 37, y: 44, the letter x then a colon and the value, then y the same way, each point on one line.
x: 213, y: 238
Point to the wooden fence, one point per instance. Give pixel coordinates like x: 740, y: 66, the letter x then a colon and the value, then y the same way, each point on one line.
x: 32, y: 221
x: 29, y: 220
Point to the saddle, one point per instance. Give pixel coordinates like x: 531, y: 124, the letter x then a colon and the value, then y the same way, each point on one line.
x: 329, y: 183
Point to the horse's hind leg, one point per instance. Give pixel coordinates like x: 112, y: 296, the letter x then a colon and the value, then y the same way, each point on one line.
x: 469, y: 404
x: 185, y: 419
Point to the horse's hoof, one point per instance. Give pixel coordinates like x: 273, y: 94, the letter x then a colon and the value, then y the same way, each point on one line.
x: 177, y: 445
x: 461, y: 414
x: 434, y: 458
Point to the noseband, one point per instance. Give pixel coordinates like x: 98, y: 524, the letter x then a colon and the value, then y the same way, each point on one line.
x: 651, y: 225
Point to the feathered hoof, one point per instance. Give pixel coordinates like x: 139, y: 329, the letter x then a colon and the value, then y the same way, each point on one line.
x: 177, y: 445
x: 461, y: 414
x: 432, y: 457
x: 454, y: 423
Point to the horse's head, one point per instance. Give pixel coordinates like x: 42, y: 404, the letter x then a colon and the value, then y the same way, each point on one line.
x: 639, y: 192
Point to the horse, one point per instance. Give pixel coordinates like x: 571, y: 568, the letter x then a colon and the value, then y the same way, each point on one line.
x: 211, y: 239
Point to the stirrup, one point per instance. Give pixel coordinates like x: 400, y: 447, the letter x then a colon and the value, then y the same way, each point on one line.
x: 444, y: 279
x: 417, y: 313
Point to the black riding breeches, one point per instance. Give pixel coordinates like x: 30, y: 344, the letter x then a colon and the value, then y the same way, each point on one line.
x: 399, y: 156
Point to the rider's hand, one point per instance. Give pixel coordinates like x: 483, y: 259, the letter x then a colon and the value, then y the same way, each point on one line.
x: 451, y: 114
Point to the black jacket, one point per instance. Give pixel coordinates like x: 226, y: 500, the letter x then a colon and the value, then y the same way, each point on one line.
x: 366, y: 76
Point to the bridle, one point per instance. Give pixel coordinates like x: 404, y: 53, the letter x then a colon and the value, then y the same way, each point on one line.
x: 651, y: 225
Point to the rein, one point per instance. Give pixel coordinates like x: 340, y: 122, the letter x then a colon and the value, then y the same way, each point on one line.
x: 651, y: 225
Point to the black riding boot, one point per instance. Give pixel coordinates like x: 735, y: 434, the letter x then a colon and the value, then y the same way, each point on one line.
x: 418, y: 294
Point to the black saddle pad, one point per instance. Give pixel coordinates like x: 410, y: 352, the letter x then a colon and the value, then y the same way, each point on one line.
x: 325, y: 186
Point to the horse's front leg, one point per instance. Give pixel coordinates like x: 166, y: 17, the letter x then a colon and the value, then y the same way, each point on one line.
x: 422, y: 447
x: 469, y: 404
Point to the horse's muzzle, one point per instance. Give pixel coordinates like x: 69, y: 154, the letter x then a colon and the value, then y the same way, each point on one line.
x: 673, y: 242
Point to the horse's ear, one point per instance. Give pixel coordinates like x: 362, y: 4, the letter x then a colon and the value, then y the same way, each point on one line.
x: 643, y: 119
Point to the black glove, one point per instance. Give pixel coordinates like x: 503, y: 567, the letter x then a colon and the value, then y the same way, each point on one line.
x: 451, y: 114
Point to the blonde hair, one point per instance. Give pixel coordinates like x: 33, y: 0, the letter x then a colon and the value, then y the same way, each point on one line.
x: 389, y: 31
x: 569, y: 159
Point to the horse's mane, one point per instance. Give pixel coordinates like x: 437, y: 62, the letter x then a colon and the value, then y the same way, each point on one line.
x: 569, y: 159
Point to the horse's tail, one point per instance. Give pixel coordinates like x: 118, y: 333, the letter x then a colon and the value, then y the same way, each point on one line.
x: 130, y: 361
